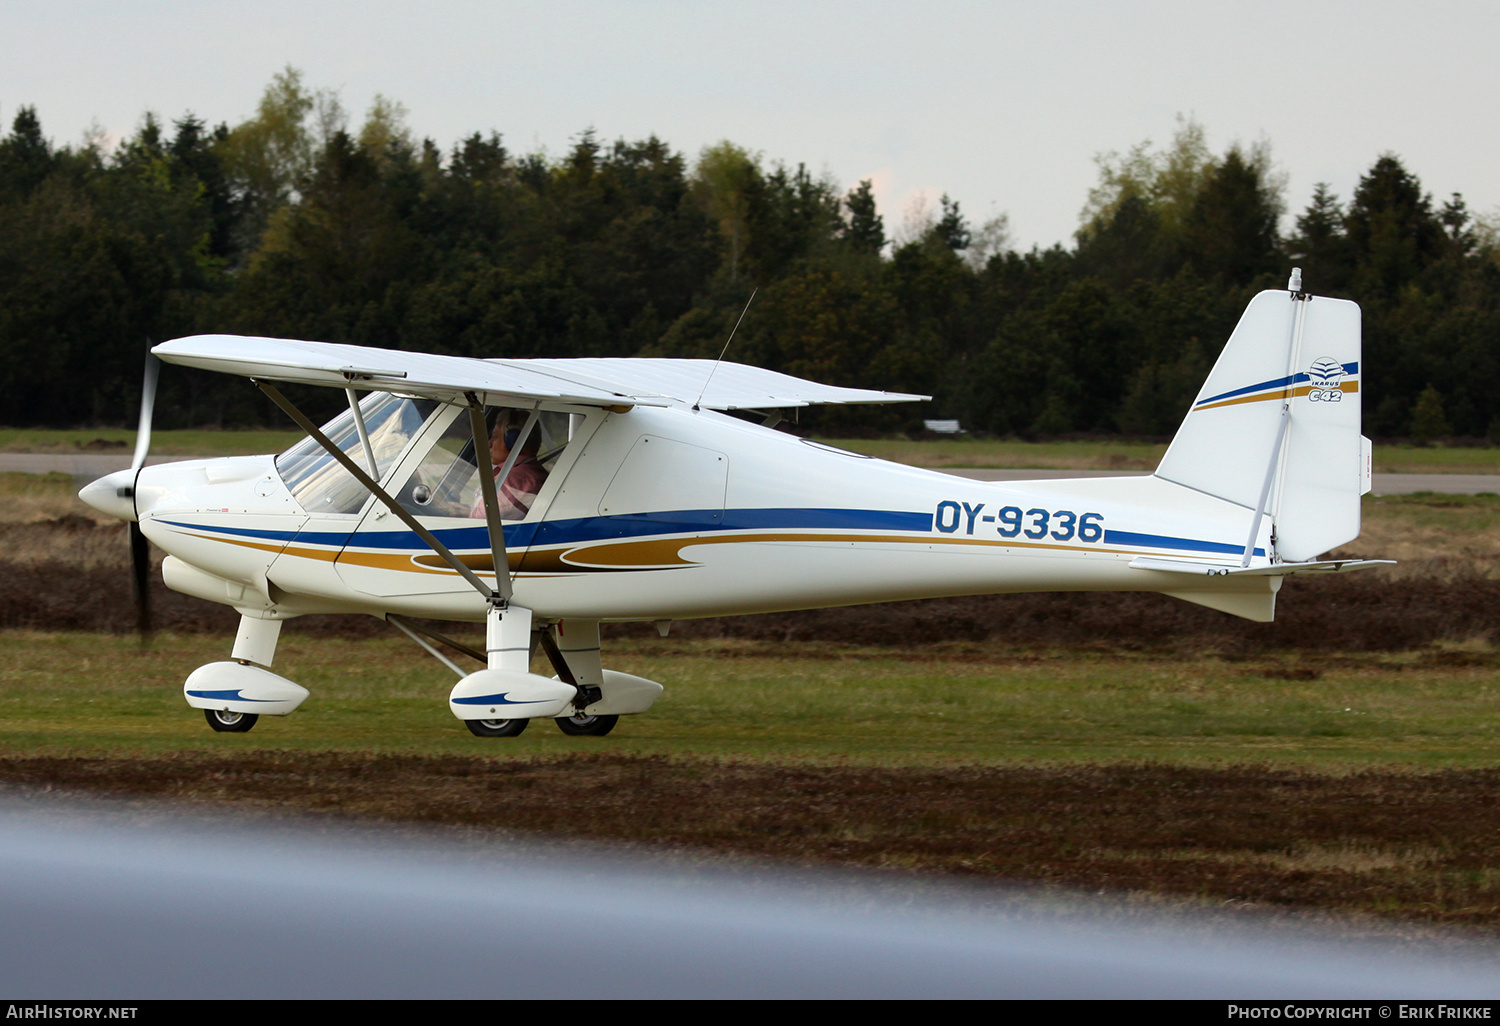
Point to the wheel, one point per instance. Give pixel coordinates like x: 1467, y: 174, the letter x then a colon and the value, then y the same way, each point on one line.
x: 496, y: 728
x: 587, y: 726
x: 226, y: 722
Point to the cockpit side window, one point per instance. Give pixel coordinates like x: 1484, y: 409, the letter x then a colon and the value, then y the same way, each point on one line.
x: 446, y: 483
x: 320, y: 484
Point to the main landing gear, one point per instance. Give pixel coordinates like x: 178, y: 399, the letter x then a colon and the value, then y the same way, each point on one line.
x: 581, y: 725
x: 584, y: 699
x: 578, y: 725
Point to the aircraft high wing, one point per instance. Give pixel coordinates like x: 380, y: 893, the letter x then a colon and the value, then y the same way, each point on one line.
x: 622, y: 489
x: 640, y: 381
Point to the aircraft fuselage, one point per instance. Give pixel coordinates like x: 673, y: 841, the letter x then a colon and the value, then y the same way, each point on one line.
x: 667, y: 513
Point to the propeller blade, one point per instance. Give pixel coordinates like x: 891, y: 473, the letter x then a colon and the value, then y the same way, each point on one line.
x: 140, y: 565
x: 148, y: 404
x: 140, y: 551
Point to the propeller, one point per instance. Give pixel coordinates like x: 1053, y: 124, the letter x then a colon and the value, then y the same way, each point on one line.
x: 140, y: 553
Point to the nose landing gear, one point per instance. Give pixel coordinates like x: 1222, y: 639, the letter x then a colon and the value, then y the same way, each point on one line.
x: 496, y: 728
x: 228, y: 691
x: 228, y: 722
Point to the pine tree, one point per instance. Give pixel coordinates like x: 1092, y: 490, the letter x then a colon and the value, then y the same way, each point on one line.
x: 952, y: 230
x: 1392, y: 230
x: 864, y: 229
x: 1230, y: 231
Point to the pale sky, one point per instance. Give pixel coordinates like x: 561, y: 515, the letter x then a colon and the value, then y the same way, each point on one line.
x: 1003, y: 105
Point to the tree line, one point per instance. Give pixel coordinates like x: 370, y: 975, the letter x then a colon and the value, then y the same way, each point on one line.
x: 297, y: 224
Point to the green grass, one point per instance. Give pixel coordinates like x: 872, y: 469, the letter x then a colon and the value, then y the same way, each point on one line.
x: 1436, y: 459
x: 163, y: 443
x: 99, y: 694
x: 1467, y: 514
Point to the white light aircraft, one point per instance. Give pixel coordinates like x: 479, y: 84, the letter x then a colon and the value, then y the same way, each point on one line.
x: 624, y: 490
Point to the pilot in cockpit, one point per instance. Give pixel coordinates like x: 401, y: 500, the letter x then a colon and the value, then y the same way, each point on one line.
x: 526, y: 477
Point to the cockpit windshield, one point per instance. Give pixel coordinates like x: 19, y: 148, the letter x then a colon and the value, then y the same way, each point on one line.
x: 447, y: 482
x: 320, y: 484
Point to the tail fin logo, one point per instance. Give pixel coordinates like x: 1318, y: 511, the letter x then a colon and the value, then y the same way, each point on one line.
x: 1325, y: 376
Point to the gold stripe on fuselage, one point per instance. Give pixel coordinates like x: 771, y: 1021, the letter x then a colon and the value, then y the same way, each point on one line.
x: 643, y: 554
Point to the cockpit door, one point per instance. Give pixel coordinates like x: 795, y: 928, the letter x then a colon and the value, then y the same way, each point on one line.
x: 334, y: 501
x: 438, y: 483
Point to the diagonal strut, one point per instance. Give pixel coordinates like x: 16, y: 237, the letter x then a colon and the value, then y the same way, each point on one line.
x: 490, y: 594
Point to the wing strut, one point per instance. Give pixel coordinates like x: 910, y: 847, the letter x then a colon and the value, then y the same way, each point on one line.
x: 490, y: 594
x: 414, y: 630
x: 487, y: 477
x: 364, y: 432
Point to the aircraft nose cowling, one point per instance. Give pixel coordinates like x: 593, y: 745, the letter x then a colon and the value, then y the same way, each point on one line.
x: 113, y: 494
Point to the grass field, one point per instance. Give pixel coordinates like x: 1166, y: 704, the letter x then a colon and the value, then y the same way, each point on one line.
x: 1094, y: 454
x: 1316, y: 774
x: 820, y: 704
x: 1351, y: 785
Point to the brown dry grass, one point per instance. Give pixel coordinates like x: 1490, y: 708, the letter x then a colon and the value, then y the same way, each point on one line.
x: 1447, y: 590
x: 1432, y: 535
x: 1359, y: 612
x: 1418, y: 845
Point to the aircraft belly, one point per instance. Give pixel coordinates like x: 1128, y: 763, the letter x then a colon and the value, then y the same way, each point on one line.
x: 727, y: 578
x: 400, y: 575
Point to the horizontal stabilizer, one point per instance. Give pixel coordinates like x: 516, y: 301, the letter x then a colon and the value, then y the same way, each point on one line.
x: 1188, y: 566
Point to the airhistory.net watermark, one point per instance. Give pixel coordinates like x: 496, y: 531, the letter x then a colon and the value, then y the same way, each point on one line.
x: 39, y: 1010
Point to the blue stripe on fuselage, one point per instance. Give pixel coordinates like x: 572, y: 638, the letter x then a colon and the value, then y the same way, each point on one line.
x: 1158, y: 541
x: 646, y: 525
x: 585, y: 529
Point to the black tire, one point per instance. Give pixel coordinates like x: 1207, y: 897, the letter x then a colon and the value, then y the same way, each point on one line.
x: 586, y: 726
x: 229, y: 722
x: 496, y: 728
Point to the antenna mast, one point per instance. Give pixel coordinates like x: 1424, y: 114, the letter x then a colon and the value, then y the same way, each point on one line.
x: 725, y: 349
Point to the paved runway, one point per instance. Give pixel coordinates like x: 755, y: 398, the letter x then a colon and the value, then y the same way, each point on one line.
x: 87, y: 467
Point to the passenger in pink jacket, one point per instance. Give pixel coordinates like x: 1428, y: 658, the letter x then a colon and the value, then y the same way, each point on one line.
x: 525, y: 479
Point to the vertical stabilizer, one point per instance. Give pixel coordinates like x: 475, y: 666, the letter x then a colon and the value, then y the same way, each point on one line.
x: 1276, y: 425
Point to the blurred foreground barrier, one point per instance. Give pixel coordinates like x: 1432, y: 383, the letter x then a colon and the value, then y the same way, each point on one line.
x: 134, y: 902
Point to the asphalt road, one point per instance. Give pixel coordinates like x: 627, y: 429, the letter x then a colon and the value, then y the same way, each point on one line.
x: 87, y: 467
